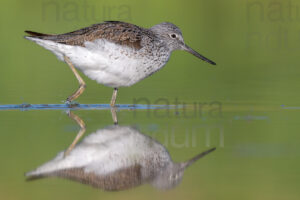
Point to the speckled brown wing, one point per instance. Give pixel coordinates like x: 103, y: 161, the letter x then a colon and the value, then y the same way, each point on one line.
x: 118, y: 32
x: 119, y: 180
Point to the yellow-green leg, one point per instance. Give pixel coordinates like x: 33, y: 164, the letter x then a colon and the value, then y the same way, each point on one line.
x: 81, y: 132
x: 114, y: 116
x: 82, y: 84
x: 114, y: 97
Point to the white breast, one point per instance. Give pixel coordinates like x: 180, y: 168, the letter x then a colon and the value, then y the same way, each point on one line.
x: 107, y: 63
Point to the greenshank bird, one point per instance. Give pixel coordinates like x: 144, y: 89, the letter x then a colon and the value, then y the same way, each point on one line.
x: 117, y: 158
x: 115, y: 54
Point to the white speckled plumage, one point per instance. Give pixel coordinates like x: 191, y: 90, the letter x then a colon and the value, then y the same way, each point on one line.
x: 107, y: 63
x: 108, y: 150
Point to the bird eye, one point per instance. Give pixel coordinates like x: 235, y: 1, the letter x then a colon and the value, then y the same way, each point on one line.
x: 173, y: 35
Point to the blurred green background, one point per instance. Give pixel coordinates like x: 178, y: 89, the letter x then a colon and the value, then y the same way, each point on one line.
x: 255, y: 44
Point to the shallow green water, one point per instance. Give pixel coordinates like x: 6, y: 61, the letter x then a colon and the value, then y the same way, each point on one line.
x: 247, y: 106
x: 257, y: 153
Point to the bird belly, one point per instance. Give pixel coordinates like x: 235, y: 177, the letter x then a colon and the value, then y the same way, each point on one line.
x: 107, y: 150
x: 105, y: 62
x: 113, y: 65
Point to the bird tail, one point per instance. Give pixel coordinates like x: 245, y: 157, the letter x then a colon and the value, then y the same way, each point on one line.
x: 36, y: 34
x: 38, y: 174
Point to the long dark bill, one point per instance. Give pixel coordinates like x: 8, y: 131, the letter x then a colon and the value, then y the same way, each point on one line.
x: 197, y: 157
x: 195, y: 53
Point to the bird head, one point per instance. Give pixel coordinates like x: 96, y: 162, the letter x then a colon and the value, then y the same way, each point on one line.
x: 172, y: 174
x: 172, y: 36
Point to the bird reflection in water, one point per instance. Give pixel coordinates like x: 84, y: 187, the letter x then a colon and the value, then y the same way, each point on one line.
x: 115, y: 158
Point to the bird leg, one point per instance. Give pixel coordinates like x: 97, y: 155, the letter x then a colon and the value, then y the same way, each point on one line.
x: 113, y: 111
x: 114, y: 97
x: 80, y: 133
x: 82, y: 84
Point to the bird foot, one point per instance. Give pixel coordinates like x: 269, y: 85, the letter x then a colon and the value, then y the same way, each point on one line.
x: 71, y: 104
